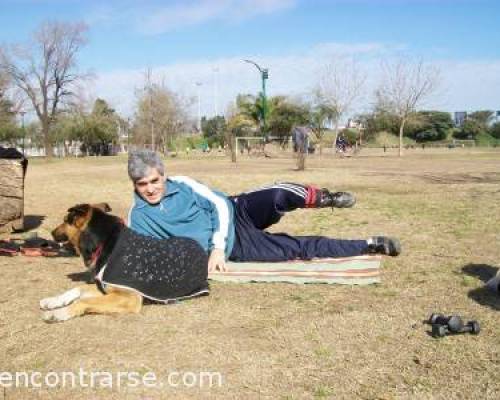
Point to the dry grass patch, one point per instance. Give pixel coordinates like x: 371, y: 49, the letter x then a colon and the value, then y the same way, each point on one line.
x: 282, y: 341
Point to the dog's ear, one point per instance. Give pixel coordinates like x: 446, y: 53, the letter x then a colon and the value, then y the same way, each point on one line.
x: 104, y: 207
x: 79, y: 209
x: 79, y: 213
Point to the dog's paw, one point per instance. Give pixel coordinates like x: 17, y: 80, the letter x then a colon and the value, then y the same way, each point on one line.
x: 51, y: 303
x: 58, y: 315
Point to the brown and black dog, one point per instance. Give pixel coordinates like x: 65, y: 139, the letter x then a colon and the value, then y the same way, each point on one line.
x: 128, y: 267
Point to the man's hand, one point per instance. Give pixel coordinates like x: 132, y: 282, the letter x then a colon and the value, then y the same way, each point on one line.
x: 217, y: 261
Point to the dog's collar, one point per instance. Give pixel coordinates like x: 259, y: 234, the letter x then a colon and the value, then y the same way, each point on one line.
x: 95, y: 255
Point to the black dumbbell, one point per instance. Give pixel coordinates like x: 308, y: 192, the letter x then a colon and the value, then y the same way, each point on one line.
x: 454, y: 323
x: 471, y: 327
x: 439, y: 330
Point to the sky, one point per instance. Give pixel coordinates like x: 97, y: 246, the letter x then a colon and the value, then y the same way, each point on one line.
x: 197, y: 47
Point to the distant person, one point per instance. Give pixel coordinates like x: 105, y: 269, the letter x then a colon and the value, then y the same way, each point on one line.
x: 341, y: 144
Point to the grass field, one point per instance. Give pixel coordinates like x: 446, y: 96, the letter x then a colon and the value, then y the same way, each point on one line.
x: 281, y: 341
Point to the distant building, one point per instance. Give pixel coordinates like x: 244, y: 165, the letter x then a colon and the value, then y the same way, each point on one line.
x: 460, y: 118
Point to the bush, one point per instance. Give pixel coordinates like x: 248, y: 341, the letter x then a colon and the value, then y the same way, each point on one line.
x: 495, y: 130
x: 351, y: 135
x: 469, y: 130
x: 483, y: 139
x: 213, y: 130
x: 390, y: 140
x: 429, y: 126
x: 192, y: 141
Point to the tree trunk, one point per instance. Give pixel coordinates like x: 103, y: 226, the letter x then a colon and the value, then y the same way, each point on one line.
x: 320, y: 138
x: 46, y: 140
x: 335, y: 135
x: 401, y: 130
x: 230, y: 138
x: 301, y: 160
x: 232, y: 148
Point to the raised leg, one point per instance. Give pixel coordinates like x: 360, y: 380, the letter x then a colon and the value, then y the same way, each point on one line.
x: 265, y: 206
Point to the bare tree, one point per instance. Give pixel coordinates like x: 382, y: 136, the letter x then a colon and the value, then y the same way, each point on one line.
x: 159, y: 118
x: 339, y: 86
x: 405, y: 85
x: 46, y: 71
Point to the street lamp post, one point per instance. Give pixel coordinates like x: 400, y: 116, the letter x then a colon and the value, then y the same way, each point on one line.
x: 264, y: 74
x: 198, y: 85
x: 216, y: 91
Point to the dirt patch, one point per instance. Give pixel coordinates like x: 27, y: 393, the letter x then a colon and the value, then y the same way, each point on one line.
x: 485, y: 177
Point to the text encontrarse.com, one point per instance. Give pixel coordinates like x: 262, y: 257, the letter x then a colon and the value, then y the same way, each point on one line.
x: 110, y: 380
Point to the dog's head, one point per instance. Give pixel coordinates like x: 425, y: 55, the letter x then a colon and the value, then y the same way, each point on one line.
x: 85, y: 227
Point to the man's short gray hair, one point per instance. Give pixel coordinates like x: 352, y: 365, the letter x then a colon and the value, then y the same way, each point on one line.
x: 140, y: 161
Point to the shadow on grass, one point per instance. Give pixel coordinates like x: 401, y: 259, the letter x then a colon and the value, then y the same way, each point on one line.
x: 85, y: 276
x: 483, y: 295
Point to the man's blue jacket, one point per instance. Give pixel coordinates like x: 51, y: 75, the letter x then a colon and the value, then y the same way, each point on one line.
x: 188, y: 209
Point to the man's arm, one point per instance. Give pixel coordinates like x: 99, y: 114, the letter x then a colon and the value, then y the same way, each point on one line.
x: 217, y: 261
x: 220, y: 222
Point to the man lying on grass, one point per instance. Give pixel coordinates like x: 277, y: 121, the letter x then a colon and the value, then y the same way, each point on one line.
x: 233, y: 227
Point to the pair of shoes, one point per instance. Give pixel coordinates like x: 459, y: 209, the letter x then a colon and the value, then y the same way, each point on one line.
x: 325, y: 198
x: 384, y: 245
x: 8, y: 248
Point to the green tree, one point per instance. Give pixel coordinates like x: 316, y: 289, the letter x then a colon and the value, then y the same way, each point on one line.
x: 429, y: 126
x: 321, y: 115
x: 284, y: 115
x: 378, y: 121
x: 6, y: 113
x: 214, y: 130
x: 495, y: 130
x: 10, y: 132
x: 482, y: 117
x: 247, y: 105
x: 470, y: 130
x: 238, y: 125
x: 96, y: 130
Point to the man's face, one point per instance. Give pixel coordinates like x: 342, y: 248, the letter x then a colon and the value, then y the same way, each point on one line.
x: 152, y: 187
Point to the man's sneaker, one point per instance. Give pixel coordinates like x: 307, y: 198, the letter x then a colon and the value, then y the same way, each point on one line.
x: 325, y: 198
x: 384, y: 245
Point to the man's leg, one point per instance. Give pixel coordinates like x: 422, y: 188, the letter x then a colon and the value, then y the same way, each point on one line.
x: 263, y: 246
x: 265, y: 206
x: 256, y: 245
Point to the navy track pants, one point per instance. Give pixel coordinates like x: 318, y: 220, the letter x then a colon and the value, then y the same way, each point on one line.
x: 261, y: 208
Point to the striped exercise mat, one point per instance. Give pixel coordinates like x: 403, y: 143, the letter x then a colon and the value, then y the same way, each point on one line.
x: 361, y: 270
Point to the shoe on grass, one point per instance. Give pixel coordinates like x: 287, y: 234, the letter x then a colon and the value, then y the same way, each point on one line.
x: 325, y: 198
x: 384, y: 245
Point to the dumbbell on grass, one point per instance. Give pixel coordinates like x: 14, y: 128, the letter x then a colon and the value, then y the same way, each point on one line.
x: 453, y: 322
x: 443, y: 330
